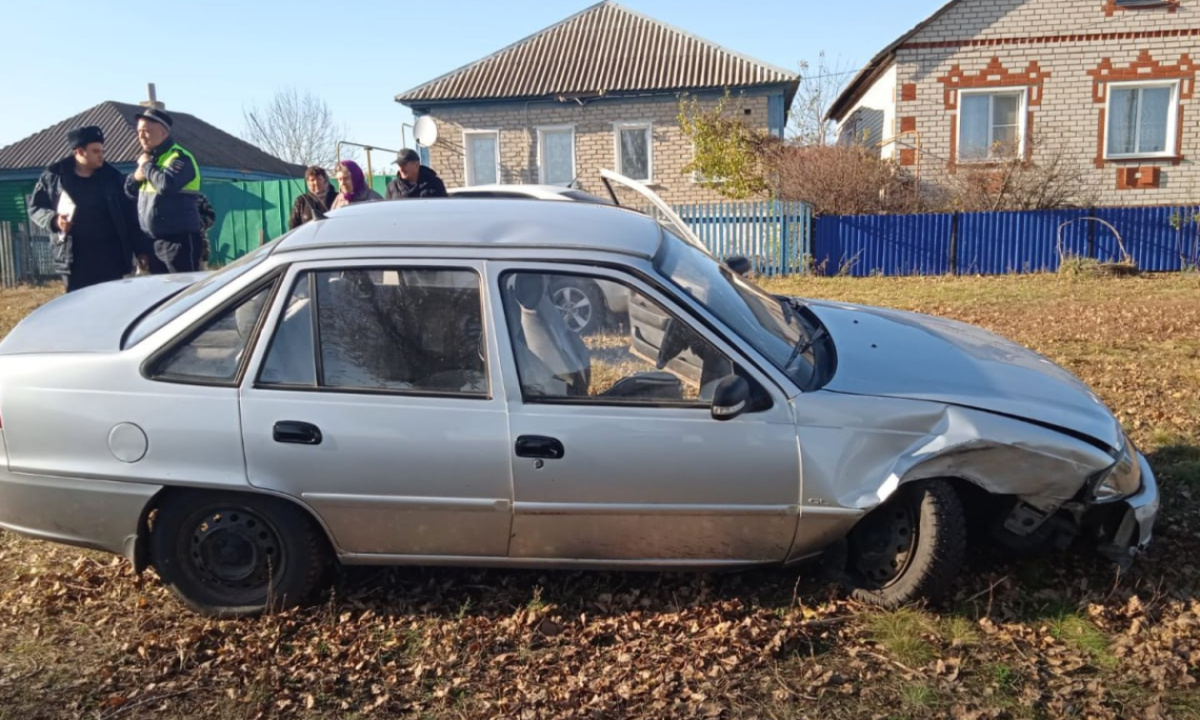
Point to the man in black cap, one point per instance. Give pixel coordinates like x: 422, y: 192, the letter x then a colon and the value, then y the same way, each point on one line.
x: 166, y: 185
x: 414, y: 180
x: 81, y: 201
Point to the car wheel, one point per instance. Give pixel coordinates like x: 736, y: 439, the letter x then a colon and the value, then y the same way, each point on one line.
x: 911, y: 548
x: 581, y: 304
x: 237, y: 554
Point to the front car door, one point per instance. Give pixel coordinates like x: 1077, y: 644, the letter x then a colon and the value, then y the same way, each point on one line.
x: 616, y: 456
x: 373, y: 399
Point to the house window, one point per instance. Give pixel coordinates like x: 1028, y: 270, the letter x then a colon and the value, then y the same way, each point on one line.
x: 1139, y: 3
x: 556, y: 155
x: 1142, y: 119
x: 991, y: 125
x: 482, y: 156
x: 635, y: 150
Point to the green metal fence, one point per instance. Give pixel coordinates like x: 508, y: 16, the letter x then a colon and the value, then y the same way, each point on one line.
x: 251, y: 213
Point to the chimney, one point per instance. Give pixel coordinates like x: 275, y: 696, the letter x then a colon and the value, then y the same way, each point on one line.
x: 152, y: 101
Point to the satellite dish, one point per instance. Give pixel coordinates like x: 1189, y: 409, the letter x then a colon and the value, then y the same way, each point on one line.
x: 425, y: 131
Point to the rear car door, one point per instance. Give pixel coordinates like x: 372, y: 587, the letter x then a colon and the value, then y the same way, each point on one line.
x: 371, y: 400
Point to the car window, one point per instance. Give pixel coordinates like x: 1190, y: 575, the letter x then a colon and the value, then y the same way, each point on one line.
x: 174, y: 305
x: 214, y: 353
x: 643, y: 355
x: 382, y: 329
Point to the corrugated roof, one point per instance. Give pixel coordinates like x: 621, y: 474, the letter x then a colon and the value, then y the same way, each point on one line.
x: 605, y: 49
x: 212, y: 146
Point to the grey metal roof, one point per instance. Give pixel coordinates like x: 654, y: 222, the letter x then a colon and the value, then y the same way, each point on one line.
x: 212, y: 146
x: 605, y: 49
x: 454, y: 223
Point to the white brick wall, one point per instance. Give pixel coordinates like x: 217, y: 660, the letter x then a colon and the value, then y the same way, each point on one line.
x: 1068, y: 118
x: 595, y: 146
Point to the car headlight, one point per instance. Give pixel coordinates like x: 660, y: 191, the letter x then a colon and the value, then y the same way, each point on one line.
x: 1121, y: 480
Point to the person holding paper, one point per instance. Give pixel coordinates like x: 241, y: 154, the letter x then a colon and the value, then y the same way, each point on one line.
x: 81, y: 201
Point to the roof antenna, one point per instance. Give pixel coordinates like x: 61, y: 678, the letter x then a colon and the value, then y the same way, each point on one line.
x: 152, y: 100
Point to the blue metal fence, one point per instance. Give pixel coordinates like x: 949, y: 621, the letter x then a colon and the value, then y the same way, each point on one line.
x: 1158, y: 239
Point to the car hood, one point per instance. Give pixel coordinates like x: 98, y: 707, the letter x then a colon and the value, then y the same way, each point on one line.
x: 907, y: 355
x: 92, y: 319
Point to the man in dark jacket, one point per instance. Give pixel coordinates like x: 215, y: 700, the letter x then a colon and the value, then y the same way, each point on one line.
x: 414, y: 179
x: 166, y: 184
x: 95, y: 226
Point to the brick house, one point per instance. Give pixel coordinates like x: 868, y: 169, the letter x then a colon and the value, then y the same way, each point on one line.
x: 1111, y: 84
x: 600, y: 89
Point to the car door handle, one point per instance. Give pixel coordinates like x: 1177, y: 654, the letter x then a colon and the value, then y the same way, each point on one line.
x: 537, y: 446
x: 297, y: 433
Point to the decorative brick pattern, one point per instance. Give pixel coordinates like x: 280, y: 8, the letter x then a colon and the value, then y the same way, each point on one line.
x: 1111, y: 6
x: 1139, y: 178
x: 908, y: 156
x: 994, y: 75
x: 908, y: 124
x: 1144, y: 68
x: 908, y: 92
x: 1067, y: 39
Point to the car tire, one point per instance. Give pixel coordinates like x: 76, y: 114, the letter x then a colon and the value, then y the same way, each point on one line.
x: 581, y: 303
x: 238, y: 554
x: 909, y: 549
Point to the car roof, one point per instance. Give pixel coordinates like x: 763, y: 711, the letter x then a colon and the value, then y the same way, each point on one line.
x: 545, y: 191
x: 484, y: 223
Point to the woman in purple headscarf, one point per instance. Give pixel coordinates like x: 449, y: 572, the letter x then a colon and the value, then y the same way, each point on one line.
x: 352, y: 187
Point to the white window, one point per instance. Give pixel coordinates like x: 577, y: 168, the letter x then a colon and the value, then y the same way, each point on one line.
x: 1142, y: 119
x: 991, y: 125
x: 635, y: 150
x: 556, y: 155
x: 482, y: 156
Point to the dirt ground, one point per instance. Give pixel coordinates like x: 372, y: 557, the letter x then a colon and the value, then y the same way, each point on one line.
x: 1054, y: 636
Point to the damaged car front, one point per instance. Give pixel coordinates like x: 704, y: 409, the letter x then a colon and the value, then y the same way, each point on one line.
x: 913, y: 428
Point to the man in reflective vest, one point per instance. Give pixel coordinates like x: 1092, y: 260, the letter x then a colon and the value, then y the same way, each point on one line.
x: 166, y: 185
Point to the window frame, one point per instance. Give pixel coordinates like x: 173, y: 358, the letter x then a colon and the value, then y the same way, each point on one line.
x: 150, y: 367
x: 1022, y: 122
x: 1172, y: 135
x: 544, y: 130
x: 754, y: 369
x: 276, y: 315
x: 468, y: 173
x: 647, y: 126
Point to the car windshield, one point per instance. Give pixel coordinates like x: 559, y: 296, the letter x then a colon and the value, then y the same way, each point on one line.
x: 781, y: 330
x: 174, y: 305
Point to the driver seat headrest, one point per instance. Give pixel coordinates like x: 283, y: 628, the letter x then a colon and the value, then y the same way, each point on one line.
x: 529, y: 289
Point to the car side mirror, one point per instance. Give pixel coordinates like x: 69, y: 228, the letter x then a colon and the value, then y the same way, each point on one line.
x: 739, y: 264
x: 731, y: 398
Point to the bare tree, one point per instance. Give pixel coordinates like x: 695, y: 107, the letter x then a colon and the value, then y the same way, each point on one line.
x: 843, y: 180
x: 1049, y: 179
x: 296, y: 127
x: 820, y: 84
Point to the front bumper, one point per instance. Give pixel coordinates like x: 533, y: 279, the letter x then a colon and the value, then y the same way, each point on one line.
x: 1127, y: 525
x: 98, y: 514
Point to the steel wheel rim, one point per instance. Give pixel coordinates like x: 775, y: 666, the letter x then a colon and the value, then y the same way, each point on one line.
x: 885, y: 544
x: 235, y: 553
x: 575, y: 306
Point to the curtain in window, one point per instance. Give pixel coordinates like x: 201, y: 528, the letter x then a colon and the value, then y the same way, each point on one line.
x: 635, y: 154
x: 1156, y: 107
x: 482, y: 159
x: 557, y: 161
x: 1122, y: 121
x: 974, y: 127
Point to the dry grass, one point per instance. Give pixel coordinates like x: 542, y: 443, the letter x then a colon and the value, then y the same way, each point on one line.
x: 1067, y: 636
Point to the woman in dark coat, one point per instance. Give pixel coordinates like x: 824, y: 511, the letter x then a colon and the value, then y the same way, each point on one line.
x: 313, y: 204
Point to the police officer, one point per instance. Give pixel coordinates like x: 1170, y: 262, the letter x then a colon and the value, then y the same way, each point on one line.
x: 166, y: 185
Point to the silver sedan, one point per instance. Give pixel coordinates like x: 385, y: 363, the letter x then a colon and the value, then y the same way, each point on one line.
x: 394, y: 385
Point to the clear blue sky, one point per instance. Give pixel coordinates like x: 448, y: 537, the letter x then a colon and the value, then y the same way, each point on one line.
x: 214, y: 57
